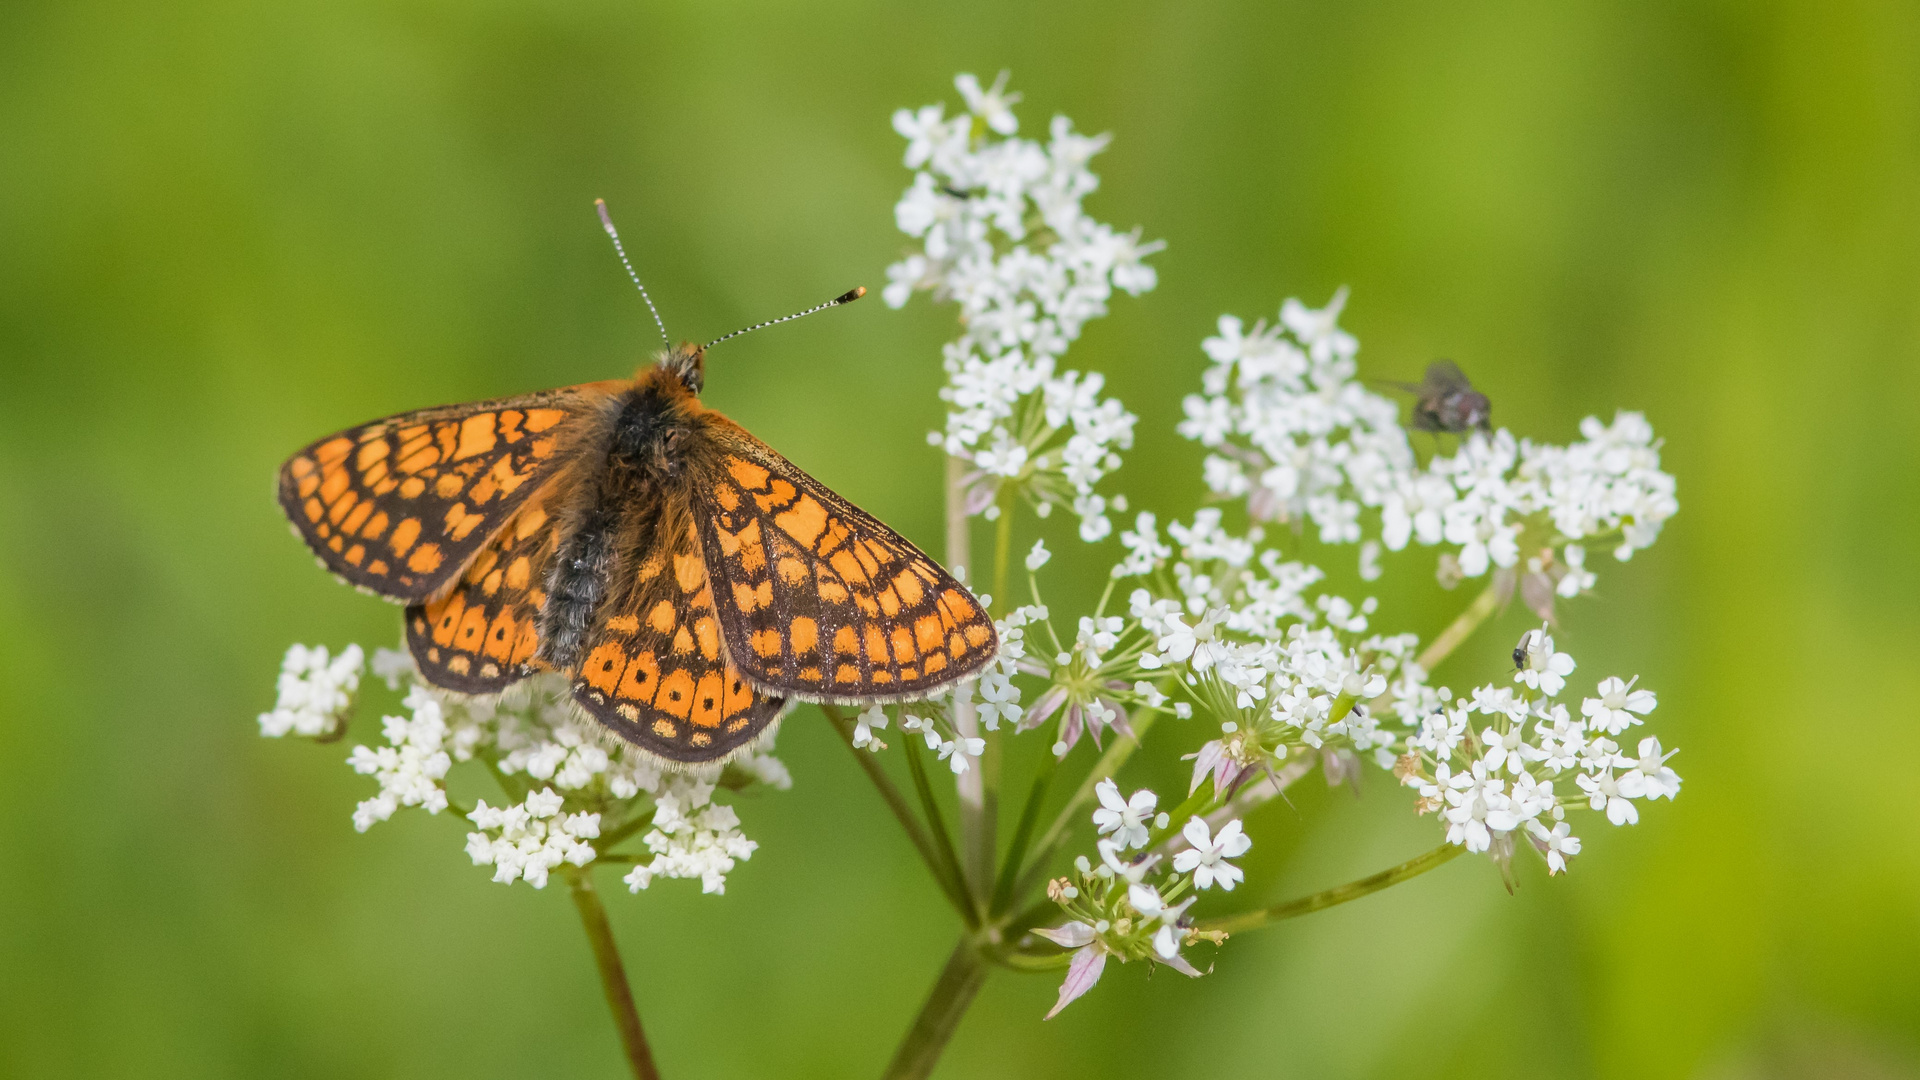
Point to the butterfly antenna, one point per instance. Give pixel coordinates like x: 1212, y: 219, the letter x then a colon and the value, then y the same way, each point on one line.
x: 607, y: 221
x: 844, y: 298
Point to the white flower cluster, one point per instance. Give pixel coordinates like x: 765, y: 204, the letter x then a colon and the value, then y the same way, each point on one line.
x: 1002, y: 233
x: 1115, y: 909
x: 1497, y: 782
x: 316, y: 692
x: 565, y: 778
x: 1294, y: 432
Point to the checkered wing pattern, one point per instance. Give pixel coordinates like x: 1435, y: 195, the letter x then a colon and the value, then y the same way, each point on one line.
x: 484, y: 634
x: 400, y: 506
x: 816, y: 599
x: 654, y: 667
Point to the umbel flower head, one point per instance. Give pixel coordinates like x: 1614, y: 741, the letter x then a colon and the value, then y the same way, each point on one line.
x: 573, y: 793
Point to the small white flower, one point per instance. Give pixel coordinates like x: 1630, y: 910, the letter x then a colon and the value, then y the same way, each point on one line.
x: 1127, y: 819
x: 1208, y: 855
x: 1038, y: 557
x: 1557, y: 843
x: 1541, y: 667
x: 1615, y: 709
x: 994, y: 105
x: 1648, y: 777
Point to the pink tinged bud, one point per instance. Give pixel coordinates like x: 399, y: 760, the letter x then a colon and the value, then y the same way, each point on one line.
x: 981, y: 495
x: 1085, y: 970
x: 1048, y: 704
x: 1073, y: 935
x: 1207, y: 760
x: 1180, y: 964
x: 1537, y: 591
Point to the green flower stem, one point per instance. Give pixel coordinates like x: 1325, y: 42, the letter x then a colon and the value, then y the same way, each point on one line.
x: 1117, y: 754
x: 613, y: 977
x: 959, y: 981
x: 1023, y: 833
x: 902, y: 813
x: 1461, y: 628
x: 937, y: 825
x: 1339, y: 894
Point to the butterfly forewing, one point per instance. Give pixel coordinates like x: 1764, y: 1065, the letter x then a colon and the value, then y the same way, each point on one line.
x: 484, y: 634
x: 654, y: 667
x: 817, y: 600
x: 399, y: 506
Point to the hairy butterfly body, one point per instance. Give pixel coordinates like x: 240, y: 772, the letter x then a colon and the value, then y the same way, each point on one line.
x: 685, y: 575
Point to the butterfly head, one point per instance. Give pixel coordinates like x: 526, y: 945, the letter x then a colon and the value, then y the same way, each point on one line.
x: 687, y: 363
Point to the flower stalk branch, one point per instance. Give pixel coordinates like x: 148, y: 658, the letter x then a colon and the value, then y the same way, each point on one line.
x: 613, y: 974
x: 1339, y: 894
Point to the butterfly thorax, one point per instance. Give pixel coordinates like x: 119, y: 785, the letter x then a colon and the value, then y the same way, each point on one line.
x: 626, y: 485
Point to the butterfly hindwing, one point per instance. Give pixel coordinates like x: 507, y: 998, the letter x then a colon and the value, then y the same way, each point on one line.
x: 399, y: 506
x: 484, y: 634
x: 817, y: 599
x: 654, y: 667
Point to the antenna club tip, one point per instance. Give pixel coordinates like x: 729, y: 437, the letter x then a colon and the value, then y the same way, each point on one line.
x: 851, y: 295
x: 606, y: 220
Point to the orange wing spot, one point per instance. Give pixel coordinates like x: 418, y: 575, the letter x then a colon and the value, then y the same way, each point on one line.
x: 744, y: 599
x: 529, y: 522
x: 340, y: 507
x: 882, y: 678
x: 411, y: 487
x: 889, y: 601
x: 333, y: 451
x: 700, y: 738
x: 805, y: 634
x: 333, y: 544
x: 766, y: 642
x: 459, y: 664
x: 541, y: 448
x: 730, y: 543
x: 847, y: 673
x: 500, y: 634
x: 831, y: 591
x: 404, y: 534
x: 301, y: 467
x: 707, y: 699
x: 449, y: 485
x: 651, y: 568
x: 502, y: 474
x: 845, y: 642
x: 779, y: 493
x: 927, y: 633
x: 689, y: 571
x: 682, y: 642
x: 510, y: 425
x: 708, y: 635
x: 960, y: 605
x: 978, y: 635
x: 461, y: 522
x: 750, y: 476
x: 902, y: 640
x: 486, y: 489
x: 739, y: 696
x: 603, y: 667
x: 908, y: 674
x: 624, y: 624
x: 811, y: 674
x: 309, y: 482
x: 313, y: 509
x: 727, y: 496
x: 661, y: 618
x: 676, y: 694
x: 447, y: 618
x: 542, y: 419
x: 870, y: 555
x: 526, y: 642
x: 358, y: 518
x: 518, y: 572
x: 805, y: 522
x: 763, y: 594
x: 935, y: 662
x: 866, y: 605
x: 908, y: 586
x: 377, y: 566
x: 703, y: 600
x: 491, y: 583
x: 848, y: 567
x: 448, y: 435
x: 476, y: 436
x: 956, y: 644
x: 375, y: 476
x: 665, y: 729
x: 376, y: 526
x: 791, y: 570
x: 373, y: 450
x: 426, y: 456
x: 425, y: 559
x: 336, y: 482
x: 876, y: 646
x: 641, y: 680
x: 356, y: 554
x: 483, y: 565
x: 836, y: 535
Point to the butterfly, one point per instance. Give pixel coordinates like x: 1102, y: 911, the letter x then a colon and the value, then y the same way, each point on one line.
x: 686, y: 576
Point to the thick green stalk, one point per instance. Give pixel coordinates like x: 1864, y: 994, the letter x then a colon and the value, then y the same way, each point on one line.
x: 613, y: 976
x: 1461, y: 628
x: 937, y: 825
x: 1339, y: 894
x: 1023, y: 833
x: 933, y: 1028
x: 1117, y: 754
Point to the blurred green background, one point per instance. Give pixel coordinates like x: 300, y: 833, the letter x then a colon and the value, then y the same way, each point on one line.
x: 228, y: 228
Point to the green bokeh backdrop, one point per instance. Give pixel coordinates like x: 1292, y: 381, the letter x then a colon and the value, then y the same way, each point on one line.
x: 229, y: 227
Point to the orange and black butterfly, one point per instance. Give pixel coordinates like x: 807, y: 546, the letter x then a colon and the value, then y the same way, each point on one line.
x: 685, y: 575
